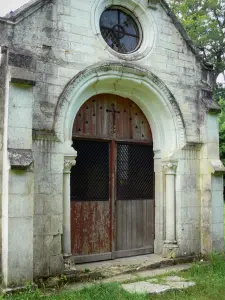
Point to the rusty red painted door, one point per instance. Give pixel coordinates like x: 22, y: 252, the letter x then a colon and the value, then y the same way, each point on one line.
x: 105, y: 129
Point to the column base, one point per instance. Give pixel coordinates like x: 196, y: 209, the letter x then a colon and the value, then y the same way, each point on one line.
x: 69, y: 264
x: 67, y: 255
x: 170, y: 249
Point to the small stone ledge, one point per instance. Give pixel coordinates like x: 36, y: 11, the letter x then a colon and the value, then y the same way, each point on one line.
x: 20, y: 158
x: 207, y: 99
x: 22, y: 76
x: 217, y: 167
x: 211, y: 106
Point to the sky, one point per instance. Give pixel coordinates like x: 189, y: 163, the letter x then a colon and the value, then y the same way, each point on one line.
x: 10, y: 5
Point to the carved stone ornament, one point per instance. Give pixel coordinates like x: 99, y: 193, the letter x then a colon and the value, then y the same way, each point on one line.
x: 170, y: 167
x: 68, y: 164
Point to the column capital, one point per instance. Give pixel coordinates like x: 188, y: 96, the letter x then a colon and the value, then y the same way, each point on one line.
x: 70, y: 155
x: 69, y: 162
x: 170, y: 167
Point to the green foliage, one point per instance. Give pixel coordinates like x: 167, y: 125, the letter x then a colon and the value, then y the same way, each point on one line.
x: 204, y: 21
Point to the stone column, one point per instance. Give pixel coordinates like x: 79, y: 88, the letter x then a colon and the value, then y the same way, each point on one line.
x: 170, y: 173
x: 69, y: 162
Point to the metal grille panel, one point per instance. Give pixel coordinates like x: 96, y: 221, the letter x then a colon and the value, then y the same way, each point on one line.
x: 135, y: 172
x: 90, y: 175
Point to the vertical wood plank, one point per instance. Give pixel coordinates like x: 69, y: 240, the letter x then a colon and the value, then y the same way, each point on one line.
x: 124, y: 226
x: 145, y: 240
x: 140, y: 224
x: 128, y: 207
x: 118, y: 226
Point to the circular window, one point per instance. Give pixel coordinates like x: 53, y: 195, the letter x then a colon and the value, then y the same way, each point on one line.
x: 120, y: 30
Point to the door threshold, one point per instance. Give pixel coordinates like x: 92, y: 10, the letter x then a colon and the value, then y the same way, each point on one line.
x: 133, y: 252
x: 81, y: 259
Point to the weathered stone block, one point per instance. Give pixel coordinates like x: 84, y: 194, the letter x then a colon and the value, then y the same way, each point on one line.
x: 21, y: 183
x: 53, y: 205
x: 41, y: 267
x: 53, y: 244
x: 56, y: 265
x: 38, y: 204
x: 217, y: 214
x: 20, y: 138
x: 20, y: 206
x: 21, y: 61
x: 47, y: 224
x: 20, y: 262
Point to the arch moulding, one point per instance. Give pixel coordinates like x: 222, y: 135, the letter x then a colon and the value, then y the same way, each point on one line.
x: 129, y: 81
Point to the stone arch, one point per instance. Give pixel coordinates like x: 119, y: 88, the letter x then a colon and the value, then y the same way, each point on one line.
x: 131, y: 81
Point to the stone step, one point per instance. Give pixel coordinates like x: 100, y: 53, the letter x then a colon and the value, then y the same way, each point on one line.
x: 110, y: 269
x: 148, y: 276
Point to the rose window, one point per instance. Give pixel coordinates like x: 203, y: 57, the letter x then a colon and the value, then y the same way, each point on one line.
x: 120, y: 30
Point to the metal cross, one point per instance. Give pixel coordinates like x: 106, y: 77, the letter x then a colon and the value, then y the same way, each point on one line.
x: 114, y: 112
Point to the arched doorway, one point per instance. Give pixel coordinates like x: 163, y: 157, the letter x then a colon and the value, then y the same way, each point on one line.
x: 112, y: 184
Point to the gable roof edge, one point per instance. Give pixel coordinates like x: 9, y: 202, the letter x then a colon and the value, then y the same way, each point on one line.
x: 23, y: 12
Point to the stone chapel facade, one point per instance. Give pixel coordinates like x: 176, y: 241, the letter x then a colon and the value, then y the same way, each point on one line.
x: 109, y: 137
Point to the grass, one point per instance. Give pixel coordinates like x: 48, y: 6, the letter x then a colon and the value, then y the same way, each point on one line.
x: 210, y: 284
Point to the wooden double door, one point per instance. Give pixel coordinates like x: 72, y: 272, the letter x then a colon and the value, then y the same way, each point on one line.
x: 112, y: 183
